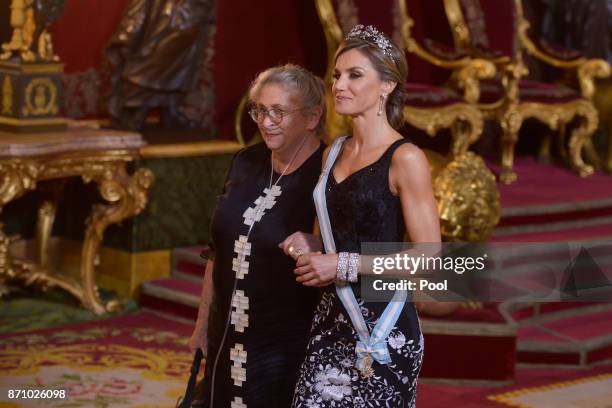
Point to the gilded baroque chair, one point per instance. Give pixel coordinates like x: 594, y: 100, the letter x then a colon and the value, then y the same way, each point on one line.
x: 496, y: 30
x: 428, y: 107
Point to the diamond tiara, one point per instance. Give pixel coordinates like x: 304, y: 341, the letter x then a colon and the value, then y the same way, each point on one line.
x: 373, y: 36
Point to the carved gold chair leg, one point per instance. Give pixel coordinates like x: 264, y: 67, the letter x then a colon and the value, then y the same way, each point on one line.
x: 591, y: 156
x: 511, y: 124
x: 508, y: 175
x: 556, y: 117
x: 580, y: 134
x: 127, y: 196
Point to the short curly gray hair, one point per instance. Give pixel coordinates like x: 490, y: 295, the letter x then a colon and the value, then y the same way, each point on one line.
x: 308, y: 87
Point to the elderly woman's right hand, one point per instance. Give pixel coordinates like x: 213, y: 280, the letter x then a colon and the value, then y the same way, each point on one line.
x: 199, y: 337
x: 300, y: 243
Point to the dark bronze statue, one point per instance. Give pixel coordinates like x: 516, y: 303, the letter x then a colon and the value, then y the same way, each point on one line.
x: 154, y: 58
x: 584, y: 25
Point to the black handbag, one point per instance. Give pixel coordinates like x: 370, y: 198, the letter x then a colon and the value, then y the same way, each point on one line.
x: 191, y: 384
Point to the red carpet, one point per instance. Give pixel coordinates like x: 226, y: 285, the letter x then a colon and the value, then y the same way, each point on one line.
x: 544, y: 184
x: 551, y: 203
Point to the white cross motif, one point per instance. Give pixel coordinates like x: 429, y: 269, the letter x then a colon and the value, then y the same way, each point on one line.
x: 240, y: 304
x: 238, y: 355
x: 242, y: 248
x: 240, y: 267
x: 262, y: 203
x: 237, y: 403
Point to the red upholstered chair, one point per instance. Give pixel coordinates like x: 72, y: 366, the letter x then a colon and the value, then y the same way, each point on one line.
x: 428, y: 107
x: 496, y: 30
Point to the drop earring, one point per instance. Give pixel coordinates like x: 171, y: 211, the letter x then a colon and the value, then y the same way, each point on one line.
x: 382, y: 102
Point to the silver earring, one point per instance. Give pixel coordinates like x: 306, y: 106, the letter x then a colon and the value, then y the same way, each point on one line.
x: 380, y: 106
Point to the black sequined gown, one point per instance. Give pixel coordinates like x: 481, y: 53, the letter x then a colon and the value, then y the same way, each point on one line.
x: 361, y: 209
x: 280, y: 310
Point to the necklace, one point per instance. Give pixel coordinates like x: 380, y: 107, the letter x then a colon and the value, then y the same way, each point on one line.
x: 286, y: 168
x: 270, y: 194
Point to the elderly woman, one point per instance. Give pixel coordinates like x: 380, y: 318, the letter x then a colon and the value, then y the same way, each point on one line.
x: 254, y: 318
x: 375, y: 187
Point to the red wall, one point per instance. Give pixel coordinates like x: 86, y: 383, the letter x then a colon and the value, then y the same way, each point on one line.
x: 254, y: 35
x: 80, y: 35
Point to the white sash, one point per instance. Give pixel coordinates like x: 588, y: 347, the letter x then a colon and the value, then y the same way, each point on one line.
x: 370, y: 346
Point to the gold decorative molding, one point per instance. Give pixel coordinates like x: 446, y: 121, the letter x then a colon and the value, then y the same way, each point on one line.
x: 7, y: 96
x: 207, y: 148
x: 468, y: 199
x: 588, y: 72
x: 31, y: 39
x: 43, y: 67
x: 469, y: 76
x: 33, y: 122
x: 126, y: 196
x: 465, y: 122
x: 16, y: 178
x: 238, y: 117
x: 40, y: 98
x: 22, y: 28
x: 333, y: 33
x: 459, y: 29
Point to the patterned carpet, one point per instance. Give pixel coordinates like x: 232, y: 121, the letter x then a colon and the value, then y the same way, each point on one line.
x: 139, y: 360
x: 533, y: 388
x: 588, y: 392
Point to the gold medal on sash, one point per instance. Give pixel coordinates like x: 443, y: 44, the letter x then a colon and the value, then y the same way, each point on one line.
x: 366, y: 370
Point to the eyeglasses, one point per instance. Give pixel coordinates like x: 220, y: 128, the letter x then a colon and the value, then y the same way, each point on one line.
x: 276, y: 115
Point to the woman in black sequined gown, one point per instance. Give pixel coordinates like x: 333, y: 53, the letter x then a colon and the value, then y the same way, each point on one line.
x: 378, y: 188
x: 254, y: 318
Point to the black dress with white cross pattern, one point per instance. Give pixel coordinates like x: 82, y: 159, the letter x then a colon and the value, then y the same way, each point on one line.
x: 256, y: 363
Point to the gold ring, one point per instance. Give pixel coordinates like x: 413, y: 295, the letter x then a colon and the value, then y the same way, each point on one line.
x: 291, y: 250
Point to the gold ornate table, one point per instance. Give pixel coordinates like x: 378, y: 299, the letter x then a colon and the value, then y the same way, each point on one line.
x: 100, y: 156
